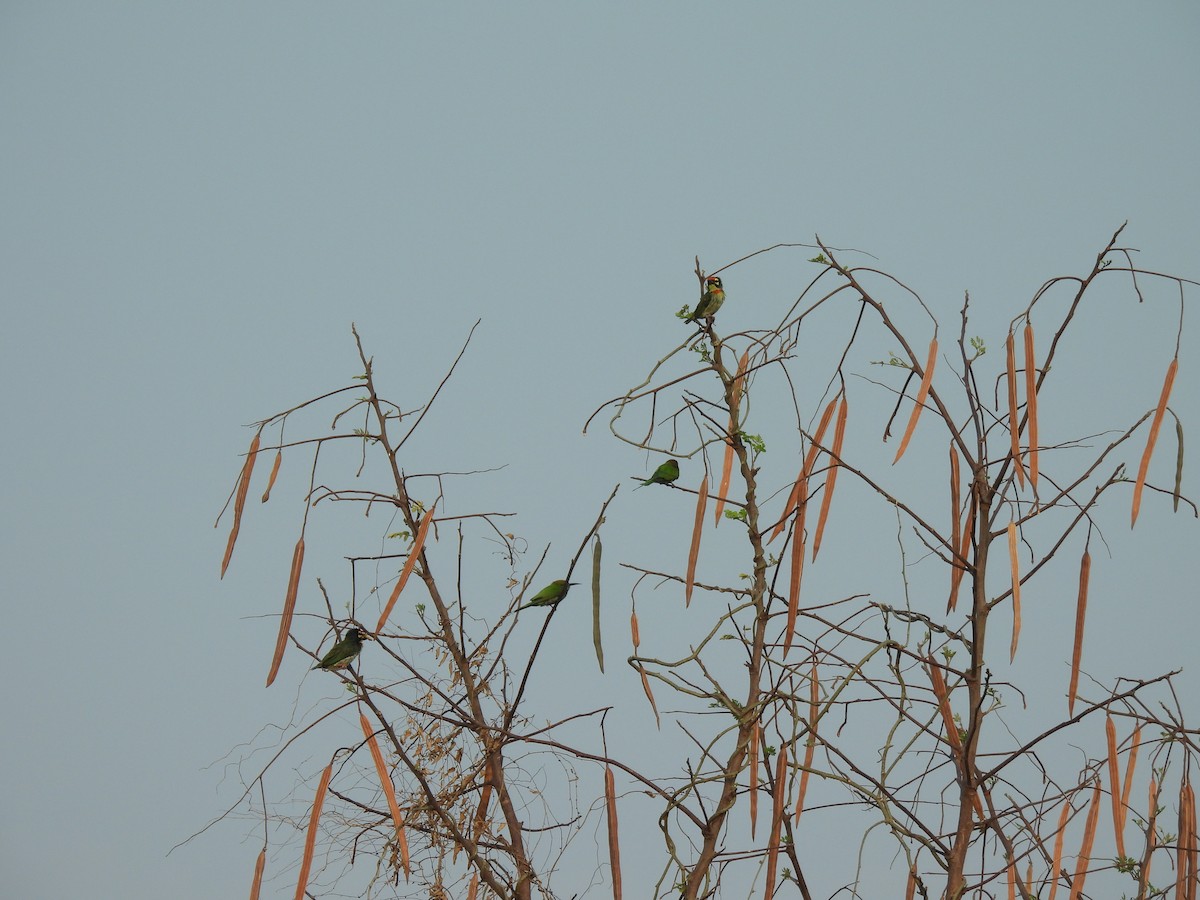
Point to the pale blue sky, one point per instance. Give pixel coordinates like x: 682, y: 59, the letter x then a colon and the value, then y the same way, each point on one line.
x: 199, y: 198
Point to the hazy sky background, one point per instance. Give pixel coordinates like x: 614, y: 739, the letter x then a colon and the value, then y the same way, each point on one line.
x: 198, y: 199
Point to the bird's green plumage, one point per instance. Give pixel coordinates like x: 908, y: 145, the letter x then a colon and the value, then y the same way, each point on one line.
x: 710, y: 301
x: 343, y: 652
x: 664, y: 474
x: 550, y: 594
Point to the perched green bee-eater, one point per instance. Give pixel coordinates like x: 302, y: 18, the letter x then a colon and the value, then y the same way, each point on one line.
x: 343, y: 652
x: 664, y: 474
x: 710, y: 301
x: 551, y: 593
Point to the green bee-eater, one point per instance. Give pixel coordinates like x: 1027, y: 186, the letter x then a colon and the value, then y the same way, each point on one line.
x: 551, y: 593
x: 343, y: 652
x: 710, y: 301
x: 664, y: 474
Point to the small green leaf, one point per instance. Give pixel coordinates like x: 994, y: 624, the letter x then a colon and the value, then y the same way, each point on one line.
x: 892, y: 360
x: 753, y: 441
